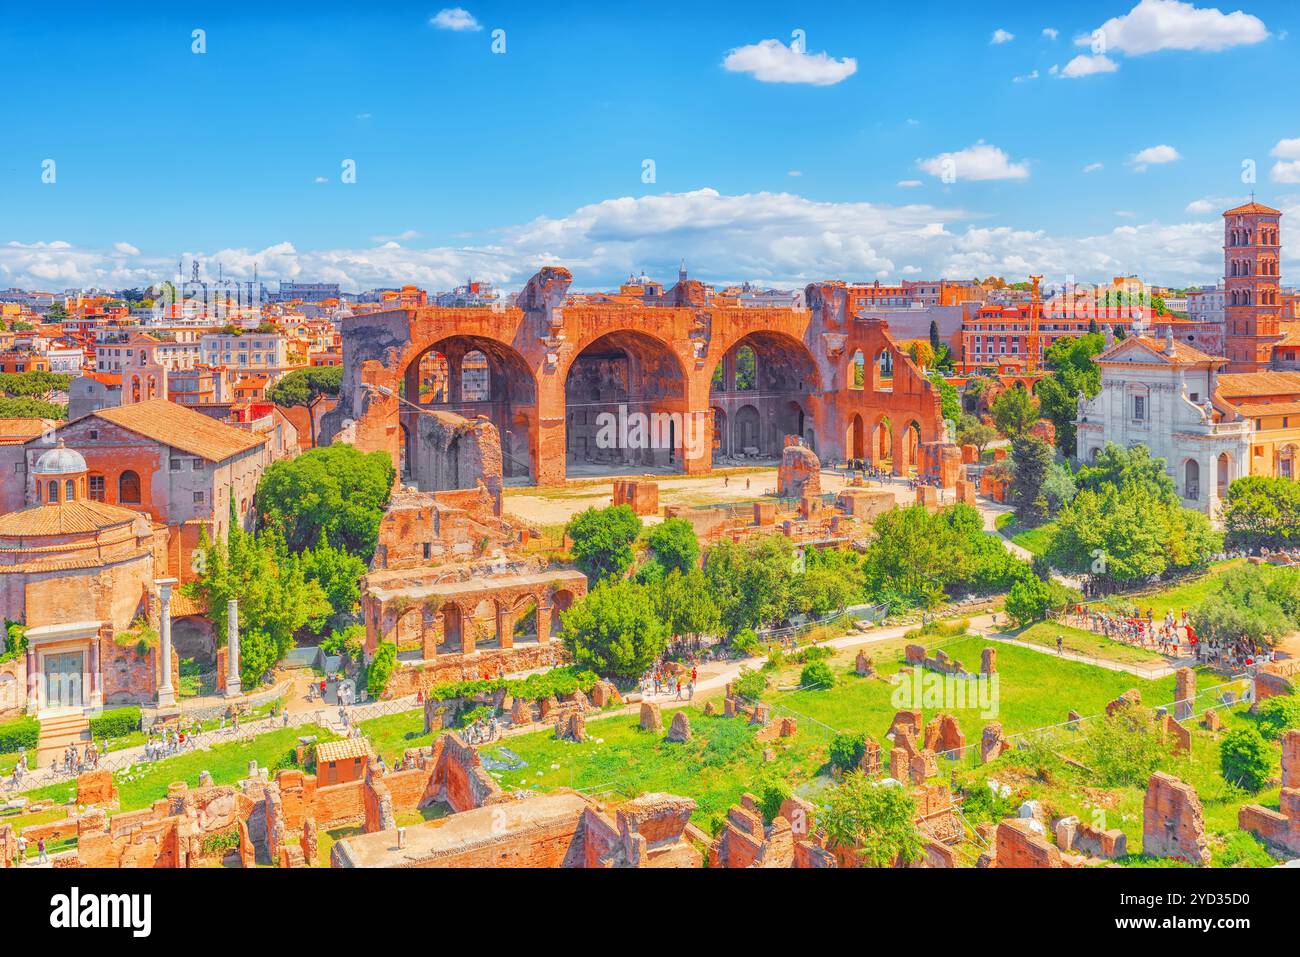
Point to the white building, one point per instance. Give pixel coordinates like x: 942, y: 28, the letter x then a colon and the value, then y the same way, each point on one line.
x: 1205, y: 304
x: 1162, y: 395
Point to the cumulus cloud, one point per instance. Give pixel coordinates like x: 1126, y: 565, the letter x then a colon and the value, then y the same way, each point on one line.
x: 455, y: 18
x: 1154, y: 156
x: 1155, y: 25
x: 978, y: 162
x: 126, y: 249
x: 1031, y: 75
x: 1051, y: 33
x: 1001, y: 36
x: 1094, y: 167
x: 771, y: 61
x: 1287, y: 167
x: 1083, y: 65
x: 777, y: 238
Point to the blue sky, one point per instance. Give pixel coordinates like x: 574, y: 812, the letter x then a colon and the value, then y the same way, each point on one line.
x: 470, y: 161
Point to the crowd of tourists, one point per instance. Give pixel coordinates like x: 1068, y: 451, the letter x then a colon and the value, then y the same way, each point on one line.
x: 1171, y: 635
x: 660, y: 679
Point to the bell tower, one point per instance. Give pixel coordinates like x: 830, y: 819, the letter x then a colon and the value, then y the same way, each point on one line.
x: 1252, y: 253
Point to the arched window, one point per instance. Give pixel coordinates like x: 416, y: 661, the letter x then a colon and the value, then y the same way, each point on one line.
x: 69, y: 490
x: 128, y: 488
x: 53, y: 492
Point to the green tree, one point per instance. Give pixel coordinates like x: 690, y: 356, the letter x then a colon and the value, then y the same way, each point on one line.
x: 1014, y: 411
x: 275, y: 598
x: 1123, y: 748
x: 1278, y: 715
x: 1031, y: 461
x: 973, y: 431
x: 1125, y: 468
x: 686, y: 605
x: 949, y: 400
x: 1244, y: 759
x: 602, y: 540
x: 1256, y: 602
x: 1031, y: 599
x: 674, y: 544
x: 1262, y: 510
x: 615, y: 630
x: 303, y: 387
x: 875, y: 824
x: 751, y: 581
x: 846, y: 749
x: 818, y: 675
x: 31, y: 409
x: 338, y: 572
x: 334, y: 488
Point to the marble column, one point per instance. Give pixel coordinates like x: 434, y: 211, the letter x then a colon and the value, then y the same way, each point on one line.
x: 232, y: 649
x: 166, y: 693
x: 33, y: 684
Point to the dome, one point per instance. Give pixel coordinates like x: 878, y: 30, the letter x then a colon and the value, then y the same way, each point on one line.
x: 60, y: 461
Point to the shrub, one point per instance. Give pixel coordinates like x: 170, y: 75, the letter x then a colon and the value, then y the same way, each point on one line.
x: 1277, y: 715
x: 746, y: 642
x: 847, y: 749
x: 381, y: 668
x: 1244, y: 759
x: 771, y: 795
x: 21, y: 734
x: 749, y: 684
x: 117, y: 723
x: 817, y: 675
x: 1123, y: 748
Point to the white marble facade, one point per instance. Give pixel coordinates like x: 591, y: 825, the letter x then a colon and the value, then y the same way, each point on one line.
x: 1161, y: 395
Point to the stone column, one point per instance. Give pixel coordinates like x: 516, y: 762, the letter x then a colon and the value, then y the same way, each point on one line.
x: 166, y: 693
x: 505, y: 627
x: 544, y: 607
x: 96, y: 679
x: 33, y: 684
x: 232, y: 649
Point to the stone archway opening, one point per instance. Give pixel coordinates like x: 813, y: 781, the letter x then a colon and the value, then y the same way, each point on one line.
x: 780, y: 391
x: 882, y: 443
x: 473, y: 376
x: 856, y: 439
x: 626, y: 407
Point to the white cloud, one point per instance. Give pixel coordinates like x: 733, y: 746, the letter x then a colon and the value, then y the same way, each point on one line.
x: 1210, y: 204
x: 778, y: 238
x: 455, y: 18
x: 1031, y: 75
x: 910, y: 183
x: 126, y: 249
x: 978, y: 162
x: 1094, y: 167
x: 1287, y: 167
x: 1051, y: 33
x: 1154, y: 156
x: 771, y: 61
x: 1155, y: 25
x: 1002, y: 36
x: 398, y: 237
x: 1082, y: 66
x: 794, y: 172
x: 1125, y: 214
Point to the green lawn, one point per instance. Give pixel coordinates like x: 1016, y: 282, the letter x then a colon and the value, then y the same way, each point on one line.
x: 1087, y: 643
x: 1035, y: 540
x: 1179, y: 598
x: 142, y: 784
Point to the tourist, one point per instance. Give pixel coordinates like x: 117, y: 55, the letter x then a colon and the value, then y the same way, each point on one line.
x: 1060, y: 644
x: 41, y: 857
x: 20, y: 857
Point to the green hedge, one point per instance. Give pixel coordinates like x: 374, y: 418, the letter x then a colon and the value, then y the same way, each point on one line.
x: 21, y: 734
x: 117, y: 723
x: 557, y: 681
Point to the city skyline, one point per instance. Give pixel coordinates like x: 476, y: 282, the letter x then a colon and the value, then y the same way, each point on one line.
x: 784, y: 147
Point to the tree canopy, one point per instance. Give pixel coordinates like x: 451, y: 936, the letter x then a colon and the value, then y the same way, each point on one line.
x: 602, y: 540
x: 1014, y: 411
x: 615, y: 630
x: 334, y: 488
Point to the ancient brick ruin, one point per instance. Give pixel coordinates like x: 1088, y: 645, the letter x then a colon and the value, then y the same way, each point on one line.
x: 1173, y: 824
x: 554, y: 368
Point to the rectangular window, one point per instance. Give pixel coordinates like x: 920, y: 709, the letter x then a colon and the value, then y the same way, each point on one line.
x: 427, y: 550
x: 95, y: 487
x: 1140, y: 407
x: 175, y: 465
x: 198, y: 498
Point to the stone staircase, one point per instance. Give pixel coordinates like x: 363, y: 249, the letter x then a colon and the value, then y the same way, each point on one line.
x: 57, y: 732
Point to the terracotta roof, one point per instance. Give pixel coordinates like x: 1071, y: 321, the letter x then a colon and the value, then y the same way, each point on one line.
x: 1182, y: 351
x: 65, y: 518
x: 183, y: 429
x: 20, y: 430
x: 1257, y: 410
x: 1253, y: 208
x: 341, y: 750
x: 104, y: 378
x: 182, y: 605
x: 1254, y: 384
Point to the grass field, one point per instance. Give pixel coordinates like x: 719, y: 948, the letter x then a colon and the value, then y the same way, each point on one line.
x: 1087, y: 643
x: 1035, y: 540
x: 1179, y: 598
x: 145, y: 783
